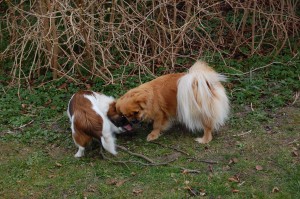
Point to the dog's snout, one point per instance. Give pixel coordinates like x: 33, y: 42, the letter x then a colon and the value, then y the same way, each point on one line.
x: 134, y: 121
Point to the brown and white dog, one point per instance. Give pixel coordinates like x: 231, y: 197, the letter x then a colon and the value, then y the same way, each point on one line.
x: 94, y: 115
x: 197, y: 99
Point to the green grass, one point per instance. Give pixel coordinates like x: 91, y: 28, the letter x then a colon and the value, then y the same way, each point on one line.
x: 37, y: 149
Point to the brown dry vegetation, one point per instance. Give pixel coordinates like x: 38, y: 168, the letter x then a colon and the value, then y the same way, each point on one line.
x: 69, y: 37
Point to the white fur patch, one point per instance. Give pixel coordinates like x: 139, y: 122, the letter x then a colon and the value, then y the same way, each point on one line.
x: 213, y: 107
x: 100, y: 104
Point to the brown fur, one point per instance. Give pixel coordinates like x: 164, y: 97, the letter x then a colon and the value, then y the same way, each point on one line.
x: 94, y: 115
x: 202, y: 101
x: 87, y: 123
x: 153, y: 101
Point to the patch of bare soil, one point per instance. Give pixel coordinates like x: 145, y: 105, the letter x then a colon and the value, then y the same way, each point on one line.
x: 13, y: 150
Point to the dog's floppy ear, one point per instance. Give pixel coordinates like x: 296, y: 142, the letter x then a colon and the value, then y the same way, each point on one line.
x: 112, y: 109
x: 141, y: 100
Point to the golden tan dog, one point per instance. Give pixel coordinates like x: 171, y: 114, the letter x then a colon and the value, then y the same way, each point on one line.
x: 197, y: 99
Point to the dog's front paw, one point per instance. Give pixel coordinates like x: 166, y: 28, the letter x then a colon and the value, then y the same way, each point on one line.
x: 152, y: 136
x: 202, y: 140
x: 78, y: 155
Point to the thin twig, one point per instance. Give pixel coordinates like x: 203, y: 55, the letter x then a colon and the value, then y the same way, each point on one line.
x: 205, y: 161
x: 135, y: 154
x: 185, y: 153
x: 152, y: 163
x: 296, y: 96
x: 292, y: 142
x: 24, y: 125
x: 137, y: 162
x: 184, y: 170
x: 242, y: 134
x: 170, y: 147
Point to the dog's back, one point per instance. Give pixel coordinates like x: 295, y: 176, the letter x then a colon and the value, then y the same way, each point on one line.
x: 85, y: 120
x: 87, y: 111
x: 86, y: 123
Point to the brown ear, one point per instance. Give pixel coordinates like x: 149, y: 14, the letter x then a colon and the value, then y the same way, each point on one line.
x: 141, y: 100
x: 112, y: 109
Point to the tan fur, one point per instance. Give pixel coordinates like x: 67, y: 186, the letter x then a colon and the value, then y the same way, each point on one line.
x: 157, y: 101
x: 154, y: 101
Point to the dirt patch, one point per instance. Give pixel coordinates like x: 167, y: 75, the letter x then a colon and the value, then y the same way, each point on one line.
x: 288, y: 117
x: 58, y: 152
x: 12, y: 150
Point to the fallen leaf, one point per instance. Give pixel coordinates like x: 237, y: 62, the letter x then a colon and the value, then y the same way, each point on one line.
x: 186, y: 182
x: 185, y: 171
x: 51, y: 176
x: 92, y: 188
x: 133, y: 173
x: 226, y: 168
x: 235, y: 160
x: 63, y: 86
x: 258, y: 167
x: 121, y: 182
x: 235, y: 191
x: 202, y: 193
x: 233, y: 179
x: 58, y: 164
x: 111, y: 181
x: 137, y: 191
x: 295, y: 153
x: 275, y: 190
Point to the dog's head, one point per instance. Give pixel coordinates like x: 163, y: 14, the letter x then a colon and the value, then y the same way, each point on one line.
x: 118, y: 119
x: 132, y: 106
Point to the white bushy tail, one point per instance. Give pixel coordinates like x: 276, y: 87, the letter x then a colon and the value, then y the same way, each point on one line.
x: 201, y: 99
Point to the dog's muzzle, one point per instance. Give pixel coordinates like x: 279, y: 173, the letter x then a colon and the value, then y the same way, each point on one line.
x: 136, y: 122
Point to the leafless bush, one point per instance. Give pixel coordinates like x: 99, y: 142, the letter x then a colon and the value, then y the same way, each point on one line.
x: 68, y: 37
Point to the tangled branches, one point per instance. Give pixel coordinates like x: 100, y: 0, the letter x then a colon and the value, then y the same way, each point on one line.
x: 71, y: 37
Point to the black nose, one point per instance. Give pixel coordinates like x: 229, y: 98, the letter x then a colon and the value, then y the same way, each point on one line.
x: 135, y: 121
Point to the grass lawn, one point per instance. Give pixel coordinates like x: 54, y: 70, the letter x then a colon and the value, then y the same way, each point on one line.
x: 256, y: 155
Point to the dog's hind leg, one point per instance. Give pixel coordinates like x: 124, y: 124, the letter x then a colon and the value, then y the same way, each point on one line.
x: 207, y: 137
x: 80, y: 152
x: 80, y: 140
